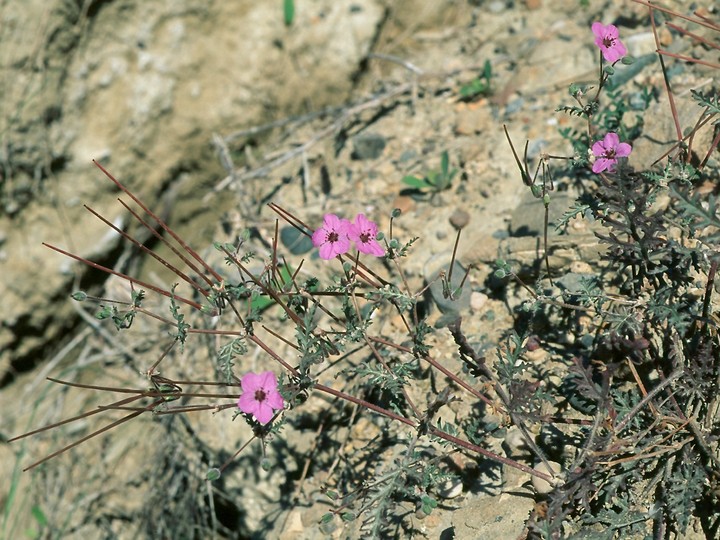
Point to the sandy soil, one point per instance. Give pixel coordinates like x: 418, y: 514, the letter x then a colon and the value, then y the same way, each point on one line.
x: 204, y: 110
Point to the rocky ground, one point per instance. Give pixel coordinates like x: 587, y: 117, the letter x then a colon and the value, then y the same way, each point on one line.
x: 202, y: 109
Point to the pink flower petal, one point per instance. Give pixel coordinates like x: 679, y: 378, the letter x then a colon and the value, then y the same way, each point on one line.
x: 598, y: 149
x: 264, y: 412
x: 602, y: 164
x: 342, y: 245
x: 607, y: 38
x: 275, y: 400
x: 597, y: 29
x: 618, y: 50
x: 326, y: 252
x: 623, y: 150
x: 332, y: 238
x: 250, y: 382
x: 611, y: 31
x: 364, y: 224
x: 363, y: 232
x: 373, y: 248
x: 331, y: 221
x: 612, y: 55
x: 608, y: 151
x: 260, y: 396
x: 247, y: 403
x: 611, y: 140
x: 318, y: 237
x: 268, y: 381
x: 330, y: 250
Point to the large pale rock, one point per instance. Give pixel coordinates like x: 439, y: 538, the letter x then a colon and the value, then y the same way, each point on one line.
x: 141, y: 86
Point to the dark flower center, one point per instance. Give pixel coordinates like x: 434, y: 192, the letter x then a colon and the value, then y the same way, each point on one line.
x: 333, y: 237
x: 260, y: 395
x: 608, y: 41
x: 609, y: 153
x: 365, y: 237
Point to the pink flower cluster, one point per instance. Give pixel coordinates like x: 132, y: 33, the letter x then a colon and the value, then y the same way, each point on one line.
x: 608, y: 39
x: 334, y: 237
x: 608, y: 151
x: 260, y: 396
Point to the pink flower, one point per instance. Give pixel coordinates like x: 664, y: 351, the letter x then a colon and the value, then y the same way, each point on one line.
x: 260, y: 396
x: 607, y: 38
x: 363, y: 232
x: 608, y: 151
x: 332, y: 237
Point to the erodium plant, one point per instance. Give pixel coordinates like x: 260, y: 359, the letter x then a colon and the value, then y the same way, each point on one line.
x: 644, y: 364
x: 626, y: 407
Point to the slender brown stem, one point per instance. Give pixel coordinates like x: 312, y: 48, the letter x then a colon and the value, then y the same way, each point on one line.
x: 176, y: 251
x: 94, y: 434
x: 701, y: 22
x: 712, y: 148
x: 490, y: 455
x: 709, y: 289
x: 671, y: 98
x: 523, y: 173
x: 162, y: 224
x: 78, y: 417
x: 654, y: 392
x: 366, y: 404
x: 145, y: 249
x: 688, y: 59
x: 454, y: 254
x: 696, y: 37
x: 430, y: 360
x: 125, y: 277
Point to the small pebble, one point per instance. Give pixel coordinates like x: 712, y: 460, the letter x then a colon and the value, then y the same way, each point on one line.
x: 580, y: 267
x: 293, y: 526
x: 566, y: 338
x: 496, y: 7
x: 478, y: 300
x: 404, y: 203
x: 450, y: 488
x: 513, y: 479
x: 640, y: 44
x: 368, y: 146
x: 537, y: 355
x: 666, y: 37
x: 578, y: 224
x: 514, y: 444
x: 542, y: 486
